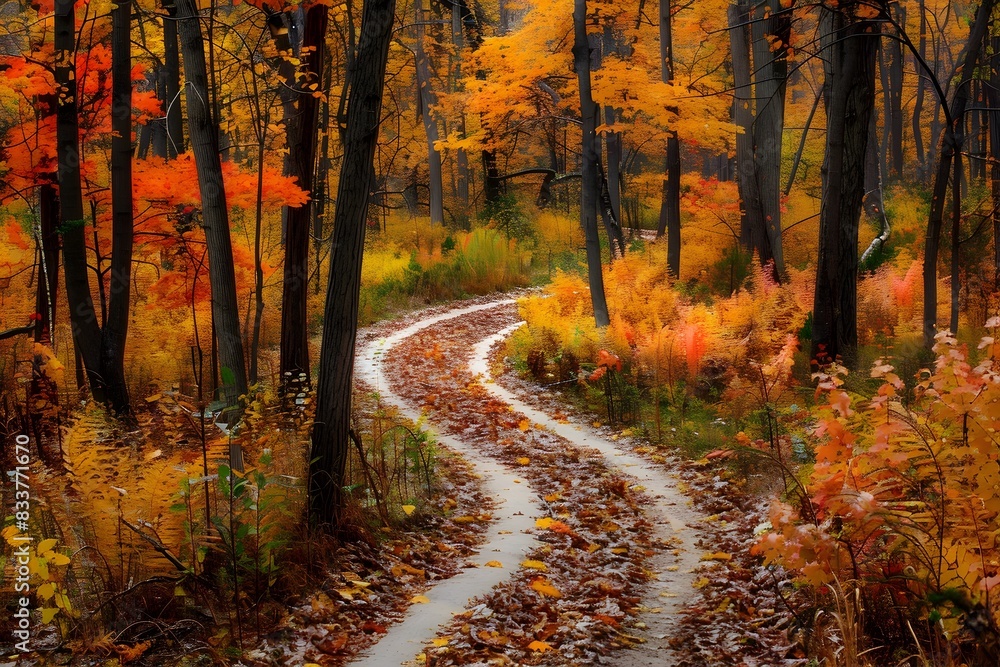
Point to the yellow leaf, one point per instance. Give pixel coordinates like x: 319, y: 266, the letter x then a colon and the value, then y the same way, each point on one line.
x: 544, y: 523
x: 39, y: 566
x: 524, y: 424
x: 718, y: 555
x: 46, y: 591
x: 408, y: 509
x: 420, y: 599
x: 60, y: 559
x: 48, y: 614
x: 620, y: 550
x: 441, y: 641
x: 534, y: 565
x: 45, y: 545
x: 545, y: 589
x: 523, y: 461
x: 494, y: 563
x: 539, y: 646
x: 701, y: 583
x: 464, y: 519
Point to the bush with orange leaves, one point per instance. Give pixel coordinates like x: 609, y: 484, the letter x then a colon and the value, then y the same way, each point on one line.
x: 904, y: 499
x: 671, y: 346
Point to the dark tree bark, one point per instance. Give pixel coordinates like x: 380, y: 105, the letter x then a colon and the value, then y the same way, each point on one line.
x: 302, y: 137
x: 849, y: 50
x: 461, y: 159
x: 321, y: 198
x: 115, y: 333
x: 47, y: 287
x: 918, y: 104
x: 951, y: 144
x: 42, y: 389
x: 753, y: 235
x: 100, y: 350
x: 770, y: 32
x: 892, y: 87
x: 612, y: 226
x: 758, y: 109
x: 993, y: 96
x: 85, y: 324
x: 492, y: 184
x: 203, y: 132
x: 427, y: 99
x: 670, y: 200
x: 590, y: 187
x: 670, y: 205
x: 331, y: 433
x: 172, y: 82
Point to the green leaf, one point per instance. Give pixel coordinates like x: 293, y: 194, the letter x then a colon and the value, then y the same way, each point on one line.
x: 228, y: 377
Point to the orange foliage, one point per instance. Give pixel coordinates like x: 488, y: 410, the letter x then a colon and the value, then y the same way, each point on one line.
x: 900, y: 486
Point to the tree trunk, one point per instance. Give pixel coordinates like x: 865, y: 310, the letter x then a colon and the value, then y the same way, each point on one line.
x: 46, y: 290
x: 590, y: 187
x: 612, y: 226
x: 893, y: 61
x: 302, y: 139
x: 331, y: 433
x: 115, y: 331
x: 204, y: 135
x: 461, y: 159
x: 918, y: 104
x: 993, y: 95
x: 83, y: 316
x: 172, y: 81
x: 492, y: 185
x: 770, y: 33
x: 950, y: 143
x: 48, y: 274
x: 753, y: 232
x: 428, y: 99
x: 321, y: 198
x: 613, y: 143
x: 670, y: 200
x: 874, y: 205
x: 849, y: 60
x: 670, y: 205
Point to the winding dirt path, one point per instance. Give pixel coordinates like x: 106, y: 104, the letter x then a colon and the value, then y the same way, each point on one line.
x: 440, y: 365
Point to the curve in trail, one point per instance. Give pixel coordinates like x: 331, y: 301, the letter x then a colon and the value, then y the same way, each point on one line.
x: 670, y: 512
x: 506, y: 539
x: 509, y: 538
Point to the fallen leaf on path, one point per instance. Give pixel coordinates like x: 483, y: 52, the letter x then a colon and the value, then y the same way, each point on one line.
x: 542, y: 586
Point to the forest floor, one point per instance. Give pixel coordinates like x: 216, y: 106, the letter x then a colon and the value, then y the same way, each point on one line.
x: 597, y: 548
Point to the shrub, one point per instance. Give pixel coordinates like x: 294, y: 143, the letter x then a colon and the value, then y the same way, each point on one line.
x: 904, y: 498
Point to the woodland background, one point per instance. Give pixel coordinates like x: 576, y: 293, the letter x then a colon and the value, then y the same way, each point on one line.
x: 765, y: 232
